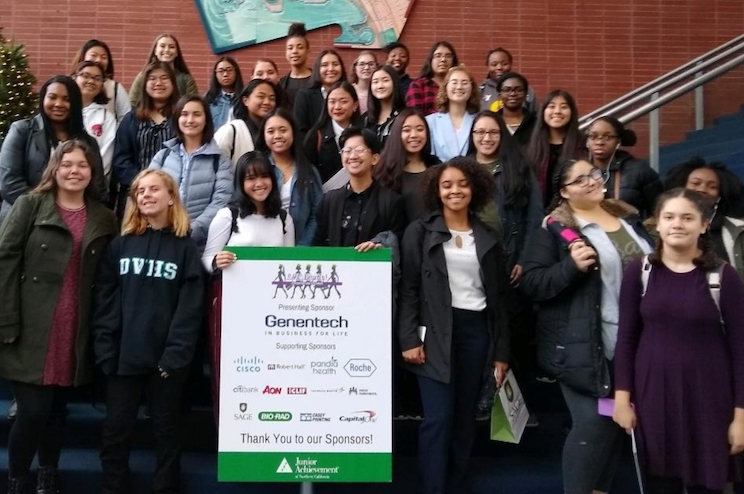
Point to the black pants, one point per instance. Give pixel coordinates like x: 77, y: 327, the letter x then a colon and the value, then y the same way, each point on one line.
x: 122, y: 402
x: 37, y: 428
x: 447, y: 433
x: 661, y: 485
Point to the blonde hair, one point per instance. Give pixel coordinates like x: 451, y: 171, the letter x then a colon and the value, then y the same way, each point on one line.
x: 135, y: 223
x: 473, y: 103
x: 48, y: 182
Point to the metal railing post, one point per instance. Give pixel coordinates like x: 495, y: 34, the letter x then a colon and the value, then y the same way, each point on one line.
x: 699, y: 104
x: 653, y: 135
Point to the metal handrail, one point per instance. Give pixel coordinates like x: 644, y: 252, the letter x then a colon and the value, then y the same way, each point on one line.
x: 654, y: 86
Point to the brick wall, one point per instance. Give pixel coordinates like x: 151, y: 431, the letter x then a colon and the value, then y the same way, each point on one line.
x: 597, y: 50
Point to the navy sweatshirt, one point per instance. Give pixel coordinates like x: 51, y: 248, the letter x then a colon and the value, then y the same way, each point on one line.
x: 148, y: 304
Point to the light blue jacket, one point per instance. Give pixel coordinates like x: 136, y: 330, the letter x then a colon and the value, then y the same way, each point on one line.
x: 444, y: 142
x: 302, y: 207
x: 205, y: 181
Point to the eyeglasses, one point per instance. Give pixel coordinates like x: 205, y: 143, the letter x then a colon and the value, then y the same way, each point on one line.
x: 446, y: 56
x: 162, y: 78
x: 88, y: 77
x: 480, y: 133
x: 357, y: 151
x: 601, y: 138
x: 583, y: 180
x: 228, y: 70
x: 455, y: 83
x: 366, y: 64
x: 512, y: 90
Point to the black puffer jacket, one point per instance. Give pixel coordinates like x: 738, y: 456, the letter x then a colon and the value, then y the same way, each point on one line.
x: 569, y: 323
x: 640, y: 185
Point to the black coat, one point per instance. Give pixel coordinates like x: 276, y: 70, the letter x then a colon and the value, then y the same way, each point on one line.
x: 640, y: 185
x: 569, y: 322
x: 385, y: 211
x: 25, y: 155
x: 524, y: 132
x: 322, y: 151
x: 308, y: 105
x: 426, y: 300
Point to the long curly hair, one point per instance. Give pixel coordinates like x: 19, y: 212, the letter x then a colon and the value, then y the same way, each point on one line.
x: 481, y: 183
x: 707, y: 259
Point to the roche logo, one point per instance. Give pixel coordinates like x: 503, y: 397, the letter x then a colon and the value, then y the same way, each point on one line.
x: 325, y: 368
x: 360, y: 367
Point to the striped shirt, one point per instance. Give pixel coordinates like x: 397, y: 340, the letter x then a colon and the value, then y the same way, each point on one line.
x: 150, y: 137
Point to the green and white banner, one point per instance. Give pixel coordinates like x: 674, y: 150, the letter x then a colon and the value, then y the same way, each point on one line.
x: 306, y: 371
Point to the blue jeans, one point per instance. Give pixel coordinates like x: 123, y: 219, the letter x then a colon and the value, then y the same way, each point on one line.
x: 447, y: 433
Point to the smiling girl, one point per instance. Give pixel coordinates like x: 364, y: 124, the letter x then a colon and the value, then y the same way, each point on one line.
x: 423, y: 91
x: 98, y: 120
x: 166, y: 50
x: 362, y: 69
x: 298, y: 180
x: 146, y: 323
x: 239, y: 136
x: 296, y: 54
x: 50, y: 247
x: 385, y: 102
x: 321, y: 145
x: 26, y: 149
x: 327, y: 71
x: 97, y: 51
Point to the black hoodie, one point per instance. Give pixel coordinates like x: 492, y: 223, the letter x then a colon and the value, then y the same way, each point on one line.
x: 148, y: 304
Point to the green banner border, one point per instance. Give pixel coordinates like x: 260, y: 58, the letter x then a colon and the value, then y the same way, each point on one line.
x: 310, y: 254
x: 262, y: 467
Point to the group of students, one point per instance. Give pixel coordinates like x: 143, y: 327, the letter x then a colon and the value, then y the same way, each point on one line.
x: 109, y: 245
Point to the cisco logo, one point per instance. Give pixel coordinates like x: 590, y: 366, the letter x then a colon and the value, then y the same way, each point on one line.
x: 252, y: 364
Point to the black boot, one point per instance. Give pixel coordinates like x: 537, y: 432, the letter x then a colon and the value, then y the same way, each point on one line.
x: 18, y: 485
x: 47, y: 481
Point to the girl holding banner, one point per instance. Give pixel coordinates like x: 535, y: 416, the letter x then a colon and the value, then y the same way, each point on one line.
x: 453, y: 322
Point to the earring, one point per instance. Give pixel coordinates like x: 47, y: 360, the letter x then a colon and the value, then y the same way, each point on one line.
x: 170, y: 203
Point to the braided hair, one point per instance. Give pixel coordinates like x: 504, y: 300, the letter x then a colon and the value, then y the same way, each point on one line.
x: 564, y: 169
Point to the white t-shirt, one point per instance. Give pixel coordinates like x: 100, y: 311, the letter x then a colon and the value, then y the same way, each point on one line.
x: 463, y: 271
x: 100, y: 123
x: 255, y: 230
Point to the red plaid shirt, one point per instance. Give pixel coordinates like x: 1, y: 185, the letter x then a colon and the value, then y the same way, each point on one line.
x: 422, y: 95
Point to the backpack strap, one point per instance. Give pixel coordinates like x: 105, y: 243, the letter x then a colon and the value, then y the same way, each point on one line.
x: 645, y: 274
x: 714, y: 286
x: 283, y: 217
x: 234, y: 223
x: 165, y: 155
x: 568, y: 235
x: 215, y: 164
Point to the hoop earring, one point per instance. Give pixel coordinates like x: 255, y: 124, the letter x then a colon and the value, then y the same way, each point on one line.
x: 170, y: 203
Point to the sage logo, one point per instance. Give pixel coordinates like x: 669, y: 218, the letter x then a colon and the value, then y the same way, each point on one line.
x: 325, y: 368
x: 360, y: 367
x: 274, y: 416
x: 243, y: 415
x: 243, y: 364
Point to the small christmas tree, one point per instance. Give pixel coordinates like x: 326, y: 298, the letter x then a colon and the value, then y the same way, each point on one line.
x: 17, y: 98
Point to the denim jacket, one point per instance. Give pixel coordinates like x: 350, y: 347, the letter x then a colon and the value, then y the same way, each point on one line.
x: 220, y: 109
x: 302, y: 207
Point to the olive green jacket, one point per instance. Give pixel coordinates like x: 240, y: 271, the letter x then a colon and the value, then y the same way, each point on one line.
x: 35, y: 246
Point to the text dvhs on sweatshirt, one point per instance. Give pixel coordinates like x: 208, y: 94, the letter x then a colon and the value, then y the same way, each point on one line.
x: 154, y: 268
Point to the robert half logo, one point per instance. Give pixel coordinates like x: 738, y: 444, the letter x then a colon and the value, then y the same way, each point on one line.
x: 361, y: 416
x: 243, y: 415
x: 243, y: 364
x: 307, y: 284
x: 325, y: 368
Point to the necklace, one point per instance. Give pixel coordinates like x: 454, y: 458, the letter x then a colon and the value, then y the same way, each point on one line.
x: 71, y: 210
x: 286, y: 171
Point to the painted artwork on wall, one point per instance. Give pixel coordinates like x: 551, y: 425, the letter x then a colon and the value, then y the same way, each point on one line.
x: 232, y: 24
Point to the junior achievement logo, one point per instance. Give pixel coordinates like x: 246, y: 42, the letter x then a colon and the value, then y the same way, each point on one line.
x: 307, y: 284
x: 306, y: 468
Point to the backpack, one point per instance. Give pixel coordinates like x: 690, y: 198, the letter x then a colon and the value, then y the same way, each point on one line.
x: 215, y: 160
x: 714, y: 284
x: 234, y: 227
